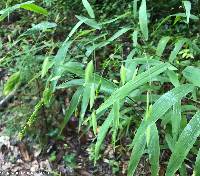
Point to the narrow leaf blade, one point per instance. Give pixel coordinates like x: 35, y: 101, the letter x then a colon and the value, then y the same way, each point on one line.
x: 133, y: 84
x: 88, y: 7
x: 161, y: 45
x: 184, y: 144
x: 34, y: 8
x: 143, y: 21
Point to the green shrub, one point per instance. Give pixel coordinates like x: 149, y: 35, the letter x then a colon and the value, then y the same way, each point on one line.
x: 157, y: 72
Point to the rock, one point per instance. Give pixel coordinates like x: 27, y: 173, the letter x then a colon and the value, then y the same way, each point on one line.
x: 84, y: 173
x: 44, y: 165
x: 37, y: 150
x: 65, y: 170
x: 39, y: 174
x: 35, y: 166
x: 6, y: 166
x: 16, y: 169
x: 15, y: 152
x: 4, y: 140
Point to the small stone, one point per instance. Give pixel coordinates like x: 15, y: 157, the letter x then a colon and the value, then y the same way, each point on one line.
x: 35, y: 166
x: 44, y: 165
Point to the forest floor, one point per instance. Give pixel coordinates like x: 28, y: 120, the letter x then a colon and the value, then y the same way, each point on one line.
x: 70, y: 156
x: 27, y: 158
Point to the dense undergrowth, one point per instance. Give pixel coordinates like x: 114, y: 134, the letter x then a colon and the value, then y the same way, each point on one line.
x: 130, y: 69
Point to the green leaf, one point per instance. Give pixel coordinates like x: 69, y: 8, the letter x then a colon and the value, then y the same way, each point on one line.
x: 187, y: 5
x: 123, y: 74
x: 169, y: 141
x: 115, y: 19
x: 85, y: 102
x: 74, y: 29
x: 161, y: 45
x: 72, y: 107
x: 116, y: 113
x: 146, y: 60
x: 71, y: 83
x: 136, y: 154
x: 197, y: 165
x: 61, y: 54
x: 177, y: 48
x: 193, y: 17
x: 104, y: 43
x: 92, y: 95
x: 133, y: 84
x: 102, y: 132
x: 90, y: 22
x: 88, y: 8
x: 176, y: 120
x: 87, y: 91
x: 130, y: 66
x: 192, y: 75
x: 89, y: 72
x: 34, y: 8
x: 119, y: 33
x: 168, y: 100
x: 12, y: 82
x: 94, y: 123
x: 154, y: 150
x: 135, y: 8
x: 5, y: 12
x: 77, y: 68
x: 159, y: 108
x: 43, y: 26
x: 46, y: 66
x: 143, y: 21
x: 184, y: 144
x: 173, y: 77
x: 59, y: 60
x: 135, y: 38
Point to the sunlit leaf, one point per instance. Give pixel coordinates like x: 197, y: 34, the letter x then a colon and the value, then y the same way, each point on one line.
x: 34, y: 8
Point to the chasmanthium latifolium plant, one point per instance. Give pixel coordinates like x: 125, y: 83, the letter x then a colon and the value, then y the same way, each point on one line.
x: 159, y: 74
